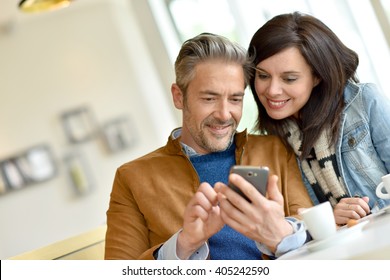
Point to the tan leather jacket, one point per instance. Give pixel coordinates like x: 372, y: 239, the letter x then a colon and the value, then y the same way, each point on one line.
x: 149, y: 194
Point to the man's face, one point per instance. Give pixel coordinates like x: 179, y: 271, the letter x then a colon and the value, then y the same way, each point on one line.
x: 212, y: 108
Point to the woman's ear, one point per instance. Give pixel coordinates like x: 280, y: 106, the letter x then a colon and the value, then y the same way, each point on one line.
x: 316, y: 81
x: 177, y: 96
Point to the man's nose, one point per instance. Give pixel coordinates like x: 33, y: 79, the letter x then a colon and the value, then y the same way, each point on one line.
x: 223, y: 112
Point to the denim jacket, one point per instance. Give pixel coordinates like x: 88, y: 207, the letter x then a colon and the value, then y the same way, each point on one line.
x: 363, y: 145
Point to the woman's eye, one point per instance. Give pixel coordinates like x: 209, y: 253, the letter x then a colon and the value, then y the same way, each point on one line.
x: 290, y: 79
x: 262, y: 76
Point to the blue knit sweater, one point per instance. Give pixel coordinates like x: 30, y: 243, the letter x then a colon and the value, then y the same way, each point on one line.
x: 227, y: 244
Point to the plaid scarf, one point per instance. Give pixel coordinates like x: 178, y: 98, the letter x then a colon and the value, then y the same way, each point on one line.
x: 320, y: 168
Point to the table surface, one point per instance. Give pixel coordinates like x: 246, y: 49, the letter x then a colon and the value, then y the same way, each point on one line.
x: 369, y: 240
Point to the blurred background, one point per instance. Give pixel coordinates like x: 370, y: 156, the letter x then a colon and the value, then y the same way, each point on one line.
x: 86, y: 88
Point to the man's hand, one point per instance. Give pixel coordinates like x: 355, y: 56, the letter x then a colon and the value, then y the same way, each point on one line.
x: 201, y: 221
x: 262, y: 220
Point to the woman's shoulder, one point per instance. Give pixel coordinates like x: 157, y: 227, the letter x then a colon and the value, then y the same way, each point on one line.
x: 367, y: 92
x: 353, y: 89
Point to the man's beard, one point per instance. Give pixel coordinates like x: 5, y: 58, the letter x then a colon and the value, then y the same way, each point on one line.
x: 211, y: 143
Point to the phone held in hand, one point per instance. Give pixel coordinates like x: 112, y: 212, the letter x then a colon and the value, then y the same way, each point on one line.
x: 256, y: 175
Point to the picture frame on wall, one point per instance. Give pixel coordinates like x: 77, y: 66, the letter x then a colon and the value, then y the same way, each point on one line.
x: 79, y: 124
x: 38, y: 164
x: 3, y: 186
x: 32, y: 166
x: 12, y: 175
x: 79, y: 173
x: 119, y: 134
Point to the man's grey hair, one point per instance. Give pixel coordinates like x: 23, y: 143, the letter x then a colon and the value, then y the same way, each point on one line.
x: 207, y: 47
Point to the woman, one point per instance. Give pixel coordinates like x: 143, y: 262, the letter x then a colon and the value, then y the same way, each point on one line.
x: 307, y: 92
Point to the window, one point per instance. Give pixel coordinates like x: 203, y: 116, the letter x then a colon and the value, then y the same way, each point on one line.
x: 355, y: 22
x: 192, y: 17
x: 382, y: 11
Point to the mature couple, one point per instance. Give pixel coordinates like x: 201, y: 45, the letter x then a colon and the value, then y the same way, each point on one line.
x: 174, y: 203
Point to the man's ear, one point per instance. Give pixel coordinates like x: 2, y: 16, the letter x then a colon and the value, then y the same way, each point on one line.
x: 177, y: 96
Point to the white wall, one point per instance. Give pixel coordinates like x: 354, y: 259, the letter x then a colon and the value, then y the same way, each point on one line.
x: 95, y: 54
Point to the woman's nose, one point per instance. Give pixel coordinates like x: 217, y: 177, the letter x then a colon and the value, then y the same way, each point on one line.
x: 274, y: 87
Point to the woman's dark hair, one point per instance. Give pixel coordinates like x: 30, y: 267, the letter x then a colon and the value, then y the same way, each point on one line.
x: 330, y: 60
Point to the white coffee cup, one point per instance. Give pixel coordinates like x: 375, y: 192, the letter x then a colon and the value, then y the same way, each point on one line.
x: 320, y: 220
x: 384, y: 185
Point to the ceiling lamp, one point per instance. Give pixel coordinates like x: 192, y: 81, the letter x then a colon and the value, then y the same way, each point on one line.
x: 30, y: 6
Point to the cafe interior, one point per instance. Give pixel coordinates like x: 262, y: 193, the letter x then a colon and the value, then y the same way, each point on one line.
x: 85, y: 87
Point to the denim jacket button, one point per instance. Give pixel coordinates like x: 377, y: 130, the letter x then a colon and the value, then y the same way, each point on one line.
x: 351, y: 142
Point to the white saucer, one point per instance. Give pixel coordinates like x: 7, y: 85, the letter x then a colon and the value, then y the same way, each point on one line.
x: 386, y: 209
x: 337, y: 238
x: 383, y: 211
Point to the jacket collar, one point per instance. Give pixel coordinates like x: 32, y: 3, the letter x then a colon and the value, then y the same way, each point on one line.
x: 174, y: 146
x: 351, y: 91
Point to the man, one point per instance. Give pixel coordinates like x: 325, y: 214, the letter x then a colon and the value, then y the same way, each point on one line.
x: 173, y: 203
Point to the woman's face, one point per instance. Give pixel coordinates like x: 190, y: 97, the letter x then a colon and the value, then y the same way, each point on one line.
x: 284, y: 83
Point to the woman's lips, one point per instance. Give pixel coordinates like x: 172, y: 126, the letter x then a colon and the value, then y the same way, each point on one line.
x: 276, y: 104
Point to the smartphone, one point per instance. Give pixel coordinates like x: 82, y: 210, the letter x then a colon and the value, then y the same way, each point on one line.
x: 256, y: 175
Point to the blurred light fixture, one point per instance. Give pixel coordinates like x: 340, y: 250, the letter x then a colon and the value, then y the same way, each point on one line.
x: 30, y: 6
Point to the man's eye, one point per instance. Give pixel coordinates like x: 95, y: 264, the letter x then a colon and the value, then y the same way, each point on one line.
x: 238, y: 99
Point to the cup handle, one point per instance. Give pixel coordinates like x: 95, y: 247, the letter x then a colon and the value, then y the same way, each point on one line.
x: 379, y: 192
